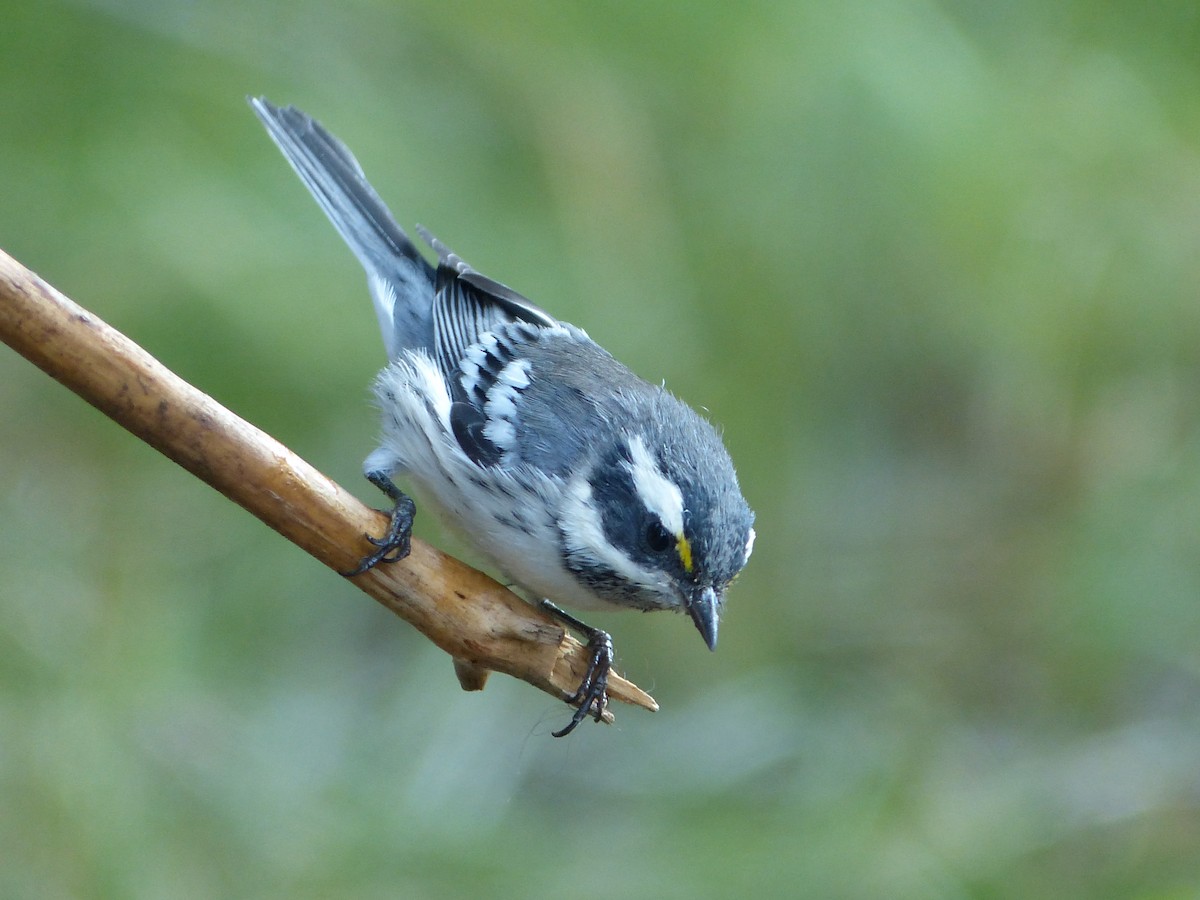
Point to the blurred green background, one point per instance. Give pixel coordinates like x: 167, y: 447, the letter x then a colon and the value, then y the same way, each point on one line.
x: 932, y: 267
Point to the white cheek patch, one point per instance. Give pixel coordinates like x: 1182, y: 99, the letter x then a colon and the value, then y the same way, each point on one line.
x: 660, y: 495
x: 749, y: 547
x: 583, y: 534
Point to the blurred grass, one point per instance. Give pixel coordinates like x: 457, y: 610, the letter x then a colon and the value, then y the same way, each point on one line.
x: 932, y: 267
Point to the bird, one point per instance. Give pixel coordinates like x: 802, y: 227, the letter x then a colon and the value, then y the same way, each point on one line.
x: 582, y: 483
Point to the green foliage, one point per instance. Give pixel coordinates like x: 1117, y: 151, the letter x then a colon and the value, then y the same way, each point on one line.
x: 932, y: 267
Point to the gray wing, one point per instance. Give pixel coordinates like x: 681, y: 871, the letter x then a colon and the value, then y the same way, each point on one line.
x: 482, y: 330
x: 545, y: 397
x: 492, y: 345
x: 468, y: 305
x: 401, y: 280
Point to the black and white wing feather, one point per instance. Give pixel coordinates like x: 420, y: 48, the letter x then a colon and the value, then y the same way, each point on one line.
x: 468, y: 305
x: 481, y: 329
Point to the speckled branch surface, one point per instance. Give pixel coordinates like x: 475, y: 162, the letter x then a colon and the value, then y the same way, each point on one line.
x: 482, y: 625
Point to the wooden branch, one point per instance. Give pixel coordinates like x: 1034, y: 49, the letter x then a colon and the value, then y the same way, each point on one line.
x: 483, y: 626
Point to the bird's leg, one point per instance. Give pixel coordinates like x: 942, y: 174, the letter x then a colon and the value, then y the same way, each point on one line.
x: 592, y: 695
x: 396, y: 543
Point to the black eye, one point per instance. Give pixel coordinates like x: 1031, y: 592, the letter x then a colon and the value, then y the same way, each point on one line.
x: 657, y: 537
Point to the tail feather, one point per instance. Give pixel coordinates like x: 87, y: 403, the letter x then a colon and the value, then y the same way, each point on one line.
x: 400, y: 278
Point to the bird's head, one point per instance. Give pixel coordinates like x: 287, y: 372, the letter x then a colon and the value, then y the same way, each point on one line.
x: 658, y: 520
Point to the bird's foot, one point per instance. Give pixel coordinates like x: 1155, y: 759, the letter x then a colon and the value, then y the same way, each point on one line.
x: 397, y: 540
x: 591, y: 698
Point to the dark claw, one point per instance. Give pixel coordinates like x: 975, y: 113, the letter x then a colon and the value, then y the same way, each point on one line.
x: 397, y: 542
x: 592, y: 696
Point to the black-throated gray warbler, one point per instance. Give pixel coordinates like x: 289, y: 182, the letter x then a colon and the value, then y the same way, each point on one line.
x: 580, y: 481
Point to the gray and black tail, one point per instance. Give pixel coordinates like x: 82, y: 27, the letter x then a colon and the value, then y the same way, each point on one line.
x: 401, y: 280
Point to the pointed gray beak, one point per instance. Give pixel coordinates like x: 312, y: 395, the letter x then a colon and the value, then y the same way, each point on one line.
x: 704, y: 607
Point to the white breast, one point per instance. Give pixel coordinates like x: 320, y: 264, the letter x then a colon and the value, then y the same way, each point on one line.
x: 509, y: 517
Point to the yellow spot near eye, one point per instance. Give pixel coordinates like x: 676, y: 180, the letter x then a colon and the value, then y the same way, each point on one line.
x: 684, y: 548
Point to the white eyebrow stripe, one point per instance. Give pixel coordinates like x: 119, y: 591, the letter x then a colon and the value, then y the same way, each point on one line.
x: 661, y: 496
